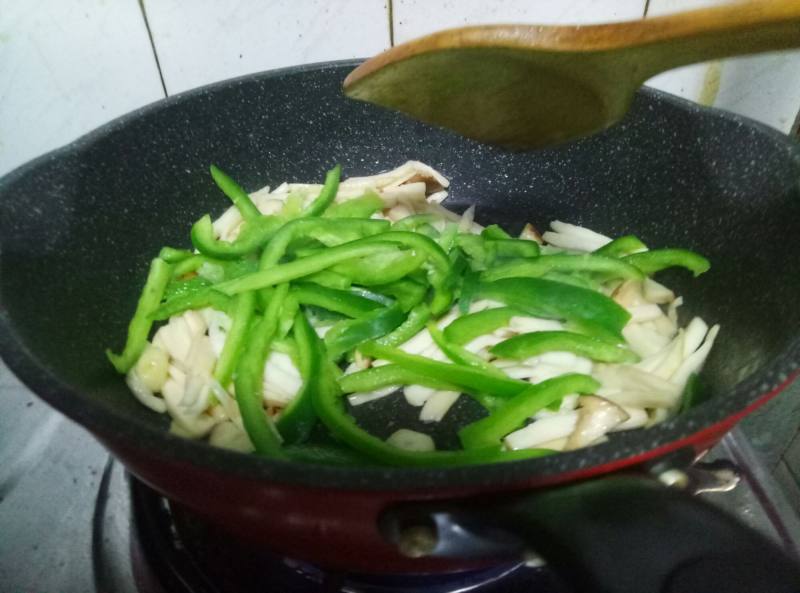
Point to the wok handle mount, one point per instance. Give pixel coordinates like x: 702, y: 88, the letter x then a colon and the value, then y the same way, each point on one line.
x: 618, y: 534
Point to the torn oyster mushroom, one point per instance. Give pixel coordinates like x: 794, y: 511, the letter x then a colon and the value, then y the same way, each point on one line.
x: 596, y: 417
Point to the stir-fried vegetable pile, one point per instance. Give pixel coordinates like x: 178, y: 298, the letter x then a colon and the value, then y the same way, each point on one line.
x: 302, y: 301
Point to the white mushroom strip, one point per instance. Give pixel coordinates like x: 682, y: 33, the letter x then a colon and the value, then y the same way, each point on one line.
x: 664, y: 363
x: 568, y: 404
x: 540, y: 431
x: 628, y: 386
x: 657, y: 293
x: 656, y: 417
x: 282, y: 380
x: 645, y: 312
x: 694, y: 362
x: 483, y: 304
x: 152, y: 368
x: 437, y: 405
x: 695, y: 334
x: 186, y: 420
x: 524, y: 325
x: 356, y: 399
x: 409, y: 171
x: 411, y: 440
x: 465, y: 224
x: 417, y: 395
x: 143, y: 393
x: 596, y: 416
x: 637, y: 417
x: 554, y: 445
x: 573, y: 237
x: 629, y: 294
x: 437, y: 197
x: 672, y: 310
x: 225, y: 225
x: 229, y: 435
x: 219, y: 324
x: 644, y: 341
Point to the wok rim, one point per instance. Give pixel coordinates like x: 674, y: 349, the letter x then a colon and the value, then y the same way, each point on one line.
x: 109, y: 425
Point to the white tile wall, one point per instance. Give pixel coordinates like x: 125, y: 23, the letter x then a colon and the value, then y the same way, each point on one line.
x: 67, y: 66
x: 204, y: 41
x: 413, y: 18
x: 764, y: 87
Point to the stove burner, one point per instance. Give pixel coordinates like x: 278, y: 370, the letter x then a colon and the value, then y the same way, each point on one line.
x: 186, y: 555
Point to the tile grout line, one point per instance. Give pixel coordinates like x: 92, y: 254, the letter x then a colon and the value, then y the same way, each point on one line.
x: 391, y: 22
x: 153, y: 47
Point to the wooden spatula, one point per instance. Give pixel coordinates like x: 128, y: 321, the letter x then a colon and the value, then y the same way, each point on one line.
x: 527, y: 86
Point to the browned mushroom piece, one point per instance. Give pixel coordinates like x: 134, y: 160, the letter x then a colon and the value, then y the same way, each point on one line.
x: 596, y: 416
x: 529, y: 232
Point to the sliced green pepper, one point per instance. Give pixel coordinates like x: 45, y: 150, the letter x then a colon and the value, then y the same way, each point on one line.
x: 326, y: 195
x: 465, y: 329
x: 470, y: 379
x: 329, y: 279
x: 406, y: 292
x: 532, y: 344
x: 361, y: 207
x: 416, y: 320
x: 179, y: 288
x: 346, y: 335
x: 490, y: 430
x: 539, y: 266
x: 254, y: 235
x: 298, y: 418
x: 494, y: 231
x: 554, y: 300
x: 306, y: 266
x: 621, y: 246
x: 330, y: 409
x: 173, y: 256
x: 656, y: 260
x: 340, y: 301
x: 389, y: 374
x: 139, y: 326
x: 381, y: 268
x: 460, y: 355
x: 329, y: 231
x: 242, y: 312
x: 249, y: 380
x: 237, y: 195
x: 469, y: 286
x: 207, y: 297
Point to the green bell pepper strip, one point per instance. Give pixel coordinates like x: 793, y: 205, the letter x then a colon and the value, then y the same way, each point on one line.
x: 298, y: 418
x: 470, y: 281
x: 249, y: 378
x: 579, y: 280
x: 511, y: 415
x: 326, y: 195
x: 694, y: 393
x: 361, y: 207
x: 470, y: 379
x: 381, y: 268
x: 474, y: 246
x: 329, y: 231
x: 139, y: 327
x: 508, y: 248
x: 656, y: 260
x: 237, y: 195
x: 306, y: 266
x: 554, y: 300
x: 188, y: 265
x: 340, y: 301
x: 287, y: 316
x: 447, y: 238
x: 621, y: 246
x: 180, y: 288
x: 414, y: 221
x: 438, y: 265
x: 532, y: 344
x: 346, y: 335
x: 254, y: 235
x: 494, y: 231
x: 539, y: 266
x: 208, y: 297
x: 329, y: 279
x: 173, y: 256
x: 406, y: 292
x: 386, y: 375
x: 293, y: 205
x: 460, y: 355
x: 242, y: 313
x: 379, y: 298
x: 463, y: 330
x: 416, y: 320
x: 330, y: 409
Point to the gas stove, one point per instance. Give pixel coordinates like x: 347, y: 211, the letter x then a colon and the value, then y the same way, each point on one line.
x: 72, y: 520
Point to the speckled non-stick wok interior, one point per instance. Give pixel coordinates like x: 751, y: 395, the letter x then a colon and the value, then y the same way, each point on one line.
x: 78, y: 226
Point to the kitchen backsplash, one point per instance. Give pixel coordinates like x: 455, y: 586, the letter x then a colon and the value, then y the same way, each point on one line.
x: 67, y: 66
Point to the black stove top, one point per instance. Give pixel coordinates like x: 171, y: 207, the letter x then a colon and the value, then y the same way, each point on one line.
x: 72, y: 520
